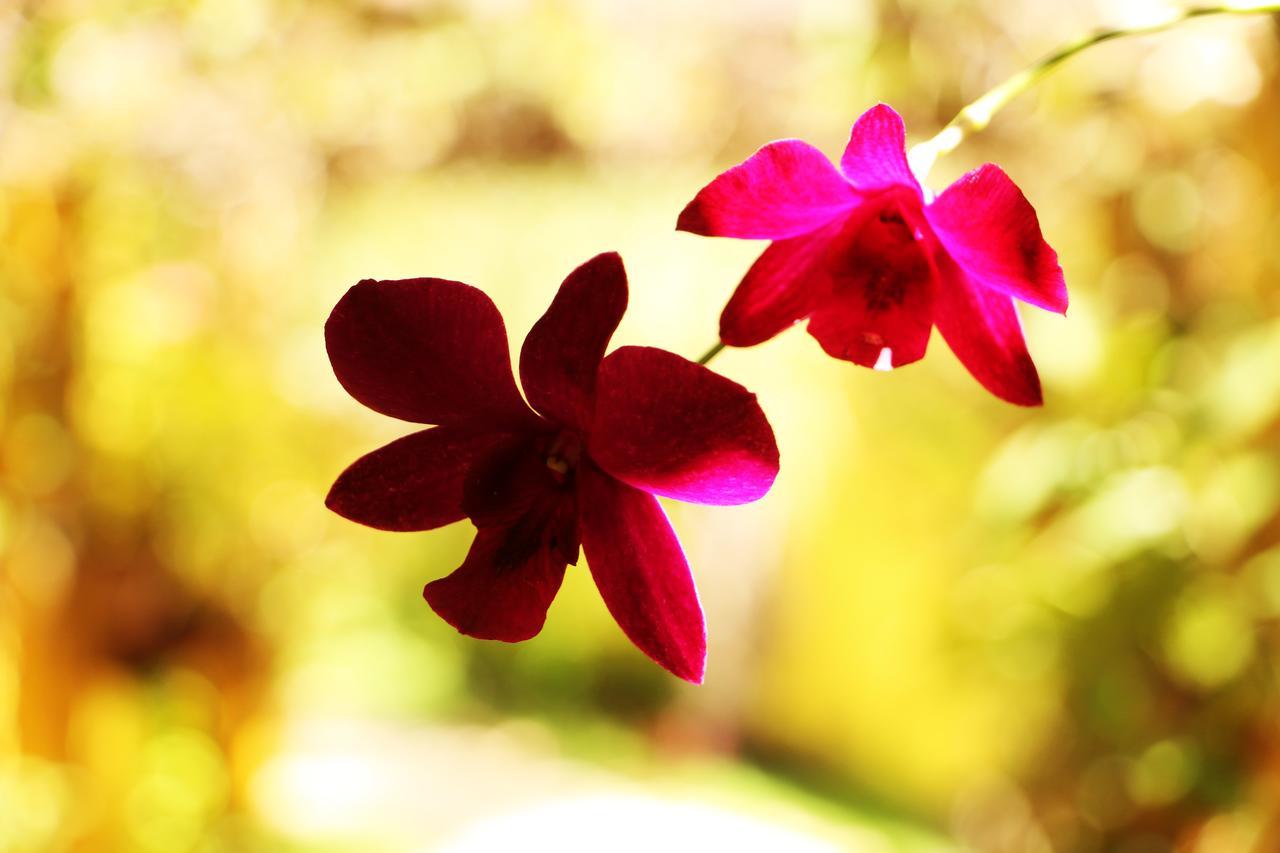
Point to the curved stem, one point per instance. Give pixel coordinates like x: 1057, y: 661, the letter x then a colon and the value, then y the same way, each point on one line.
x: 978, y: 114
x: 711, y: 353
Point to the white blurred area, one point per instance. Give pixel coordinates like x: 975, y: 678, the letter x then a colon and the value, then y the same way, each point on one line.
x: 637, y: 823
x: 470, y: 789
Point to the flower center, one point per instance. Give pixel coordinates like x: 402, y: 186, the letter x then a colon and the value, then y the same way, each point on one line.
x: 893, y: 226
x: 882, y: 259
x: 879, y: 307
x: 563, y: 454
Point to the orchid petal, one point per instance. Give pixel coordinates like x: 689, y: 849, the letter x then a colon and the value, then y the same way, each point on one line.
x: 876, y: 156
x: 414, y: 483
x: 426, y: 350
x: 499, y: 592
x: 987, y: 225
x: 784, y: 189
x: 642, y: 574
x: 563, y: 350
x: 981, y: 326
x: 677, y: 429
x: 780, y: 289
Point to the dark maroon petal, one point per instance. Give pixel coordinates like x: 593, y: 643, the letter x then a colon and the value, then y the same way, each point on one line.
x: 641, y: 572
x: 781, y: 288
x: 563, y: 350
x: 876, y: 156
x: 784, y: 189
x: 675, y: 428
x: 987, y: 225
x: 414, y: 483
x: 879, y: 311
x: 499, y: 592
x: 981, y: 326
x: 425, y: 350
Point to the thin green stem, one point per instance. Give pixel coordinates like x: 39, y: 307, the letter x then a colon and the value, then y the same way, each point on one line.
x: 978, y: 114
x: 711, y: 353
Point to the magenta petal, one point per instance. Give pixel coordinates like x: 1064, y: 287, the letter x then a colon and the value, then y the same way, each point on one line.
x: 414, y: 483
x: 498, y: 593
x: 876, y: 156
x: 425, y: 350
x: 784, y: 189
x: 641, y: 572
x: 675, y: 428
x: 781, y: 288
x: 987, y: 225
x: 981, y: 326
x: 563, y: 350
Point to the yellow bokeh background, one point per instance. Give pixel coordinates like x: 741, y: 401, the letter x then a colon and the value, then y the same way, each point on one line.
x: 953, y: 625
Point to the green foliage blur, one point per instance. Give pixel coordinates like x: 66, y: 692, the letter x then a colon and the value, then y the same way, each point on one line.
x: 953, y: 625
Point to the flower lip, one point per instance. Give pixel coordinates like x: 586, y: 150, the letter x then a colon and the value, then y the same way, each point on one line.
x: 877, y: 307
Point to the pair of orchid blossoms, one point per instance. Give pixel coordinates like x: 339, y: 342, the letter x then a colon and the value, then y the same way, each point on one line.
x: 860, y: 251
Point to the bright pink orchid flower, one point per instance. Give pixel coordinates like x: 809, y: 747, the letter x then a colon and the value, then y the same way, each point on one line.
x: 609, y: 433
x: 874, y: 265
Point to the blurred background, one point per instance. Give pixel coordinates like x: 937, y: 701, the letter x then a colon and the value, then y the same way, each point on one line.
x: 953, y: 624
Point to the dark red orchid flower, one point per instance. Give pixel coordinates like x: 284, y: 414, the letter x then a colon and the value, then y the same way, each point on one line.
x: 608, y: 434
x: 874, y: 264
